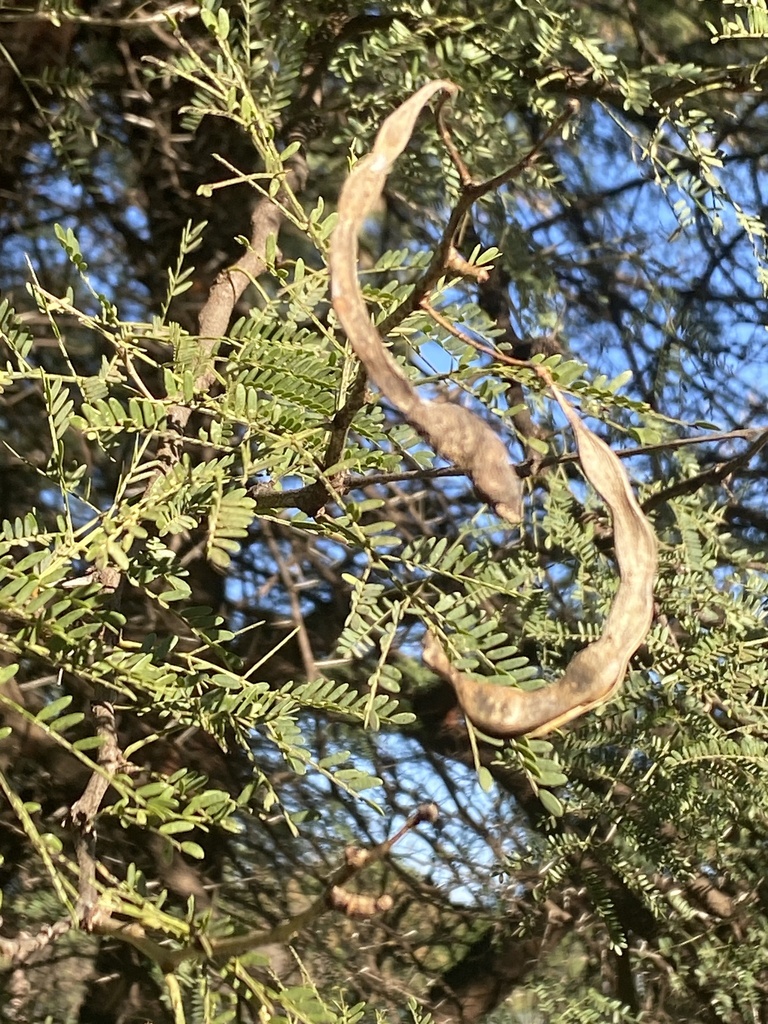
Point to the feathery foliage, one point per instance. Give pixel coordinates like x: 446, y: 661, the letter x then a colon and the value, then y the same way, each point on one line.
x: 220, y: 550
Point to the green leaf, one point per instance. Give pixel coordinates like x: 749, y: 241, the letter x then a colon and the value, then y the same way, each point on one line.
x: 550, y: 803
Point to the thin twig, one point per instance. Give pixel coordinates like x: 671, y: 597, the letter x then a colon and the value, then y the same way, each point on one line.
x: 499, y: 357
x: 305, y: 498
x: 713, y: 475
x: 305, y: 646
x: 85, y: 809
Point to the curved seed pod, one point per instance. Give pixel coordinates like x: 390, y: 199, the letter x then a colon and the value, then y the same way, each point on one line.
x: 454, y: 432
x: 593, y: 674
x: 357, y: 905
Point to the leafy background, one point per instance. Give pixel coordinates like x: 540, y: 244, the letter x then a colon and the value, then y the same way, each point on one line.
x: 220, y: 550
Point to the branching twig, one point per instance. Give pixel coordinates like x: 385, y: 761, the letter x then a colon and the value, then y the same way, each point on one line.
x: 334, y: 896
x: 471, y: 191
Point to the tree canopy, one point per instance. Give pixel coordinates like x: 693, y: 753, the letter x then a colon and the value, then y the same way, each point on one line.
x: 333, y: 405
